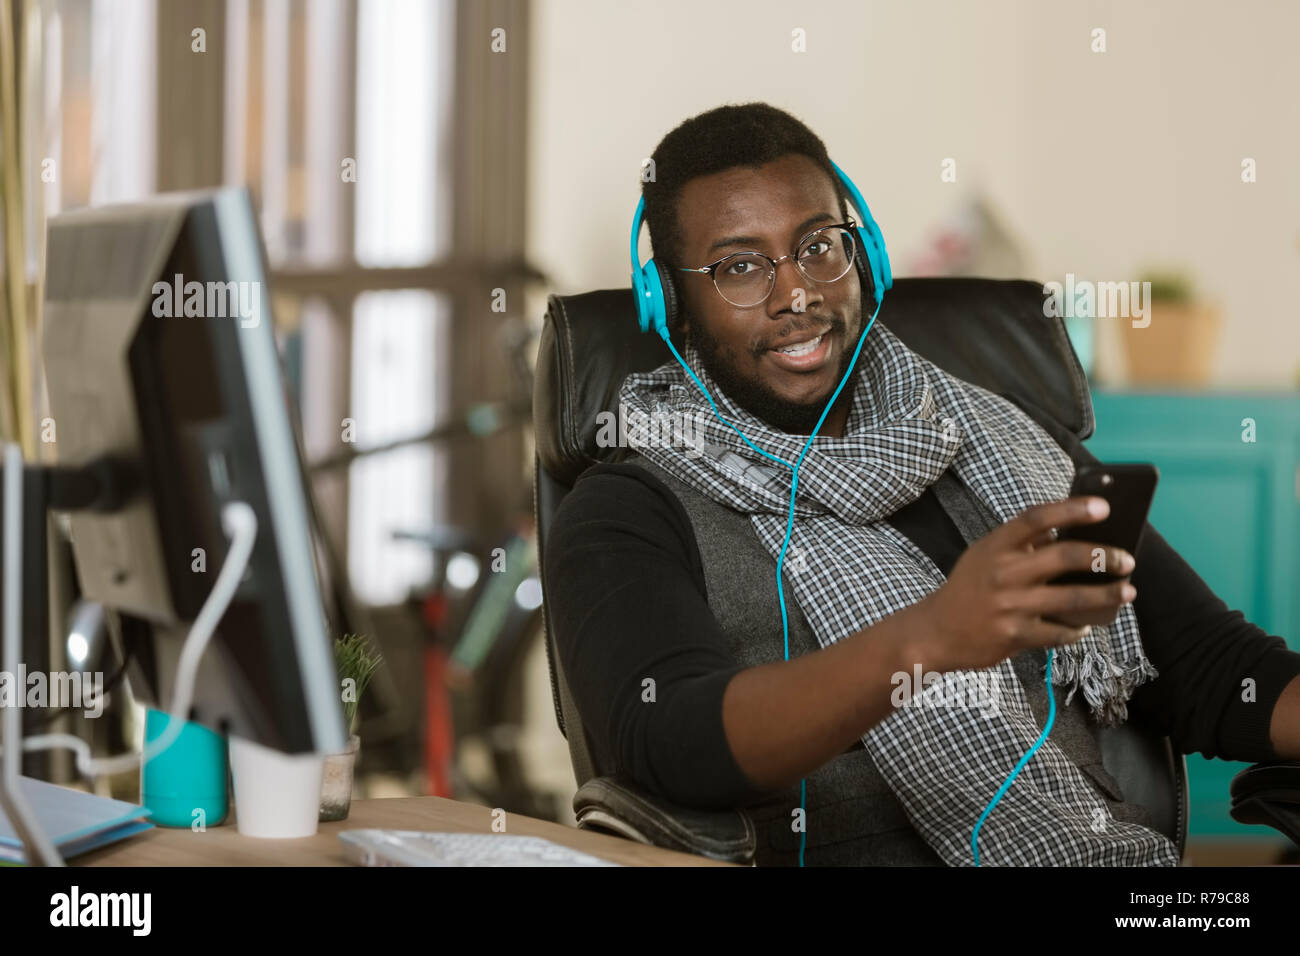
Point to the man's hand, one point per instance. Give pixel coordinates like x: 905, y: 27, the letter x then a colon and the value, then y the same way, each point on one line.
x: 997, y: 602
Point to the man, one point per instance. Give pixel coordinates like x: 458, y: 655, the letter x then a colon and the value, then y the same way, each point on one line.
x: 911, y: 551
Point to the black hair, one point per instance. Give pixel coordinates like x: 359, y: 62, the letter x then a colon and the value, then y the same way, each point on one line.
x: 749, y: 134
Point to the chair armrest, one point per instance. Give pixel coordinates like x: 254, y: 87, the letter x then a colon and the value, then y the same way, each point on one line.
x: 621, y: 807
x: 1269, y: 794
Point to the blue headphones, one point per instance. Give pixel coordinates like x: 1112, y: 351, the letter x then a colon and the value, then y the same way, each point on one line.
x: 656, y: 295
x: 657, y: 306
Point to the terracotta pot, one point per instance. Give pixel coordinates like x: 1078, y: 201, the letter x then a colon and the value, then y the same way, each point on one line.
x: 1176, y: 348
x: 336, y: 785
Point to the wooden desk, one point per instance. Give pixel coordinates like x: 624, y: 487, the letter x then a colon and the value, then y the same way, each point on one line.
x: 223, y: 846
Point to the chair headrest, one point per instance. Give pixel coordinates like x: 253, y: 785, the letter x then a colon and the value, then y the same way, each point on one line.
x: 991, y: 332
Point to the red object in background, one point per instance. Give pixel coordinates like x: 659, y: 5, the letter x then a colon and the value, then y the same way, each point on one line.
x: 439, y: 746
x: 434, y: 609
x: 439, y: 750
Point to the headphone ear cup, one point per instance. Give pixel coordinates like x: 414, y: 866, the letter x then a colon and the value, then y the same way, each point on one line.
x: 670, y: 297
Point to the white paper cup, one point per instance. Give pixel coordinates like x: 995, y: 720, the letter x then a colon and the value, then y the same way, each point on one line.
x: 277, y: 795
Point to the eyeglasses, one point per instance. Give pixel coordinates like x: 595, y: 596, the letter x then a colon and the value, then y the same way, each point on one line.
x: 746, y: 279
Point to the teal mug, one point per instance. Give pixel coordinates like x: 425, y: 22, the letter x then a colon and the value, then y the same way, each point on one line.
x: 186, y: 784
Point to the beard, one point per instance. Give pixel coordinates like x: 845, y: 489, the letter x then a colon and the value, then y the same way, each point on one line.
x: 760, y: 401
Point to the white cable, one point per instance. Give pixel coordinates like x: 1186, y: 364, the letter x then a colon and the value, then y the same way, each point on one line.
x: 240, y: 524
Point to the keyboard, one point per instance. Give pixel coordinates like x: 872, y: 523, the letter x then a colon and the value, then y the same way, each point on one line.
x: 419, y: 848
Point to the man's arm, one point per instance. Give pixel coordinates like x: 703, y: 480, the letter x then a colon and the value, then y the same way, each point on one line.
x: 1205, y: 654
x: 837, y: 694
x: 646, y: 665
x: 1222, y: 679
x: 628, y: 606
x: 630, y: 615
x: 1284, y: 731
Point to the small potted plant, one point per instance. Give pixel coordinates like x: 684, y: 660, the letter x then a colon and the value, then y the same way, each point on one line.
x: 356, y: 661
x: 1176, y: 347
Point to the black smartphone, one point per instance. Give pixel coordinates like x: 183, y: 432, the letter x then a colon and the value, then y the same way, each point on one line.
x: 1129, y: 488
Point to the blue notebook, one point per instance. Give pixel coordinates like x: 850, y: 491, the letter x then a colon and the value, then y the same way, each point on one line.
x: 74, y: 821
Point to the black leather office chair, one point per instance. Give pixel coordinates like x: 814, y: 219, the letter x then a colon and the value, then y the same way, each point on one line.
x: 989, y: 332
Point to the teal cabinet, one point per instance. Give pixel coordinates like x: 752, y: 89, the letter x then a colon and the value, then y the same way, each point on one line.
x: 1230, y: 506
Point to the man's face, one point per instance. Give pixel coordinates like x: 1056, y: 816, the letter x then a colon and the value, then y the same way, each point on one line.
x: 768, y: 210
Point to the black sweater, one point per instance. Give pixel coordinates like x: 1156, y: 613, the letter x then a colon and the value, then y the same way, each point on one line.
x: 627, y: 598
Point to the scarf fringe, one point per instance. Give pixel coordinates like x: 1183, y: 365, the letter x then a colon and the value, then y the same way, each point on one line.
x: 1107, y: 684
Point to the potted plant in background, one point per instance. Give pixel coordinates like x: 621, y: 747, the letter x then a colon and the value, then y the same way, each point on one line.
x: 1177, y: 347
x: 356, y: 661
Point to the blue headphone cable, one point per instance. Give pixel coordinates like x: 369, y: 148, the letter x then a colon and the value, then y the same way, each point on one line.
x: 789, y: 523
x: 785, y: 621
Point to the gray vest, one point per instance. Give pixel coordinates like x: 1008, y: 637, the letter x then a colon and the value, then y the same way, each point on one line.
x: 852, y: 816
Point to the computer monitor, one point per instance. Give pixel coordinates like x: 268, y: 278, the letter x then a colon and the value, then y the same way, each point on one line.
x: 160, y: 355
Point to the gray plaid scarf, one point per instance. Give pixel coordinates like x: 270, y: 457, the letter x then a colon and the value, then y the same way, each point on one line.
x: 944, y: 752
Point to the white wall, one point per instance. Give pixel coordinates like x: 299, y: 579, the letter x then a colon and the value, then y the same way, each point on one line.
x: 1103, y: 163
